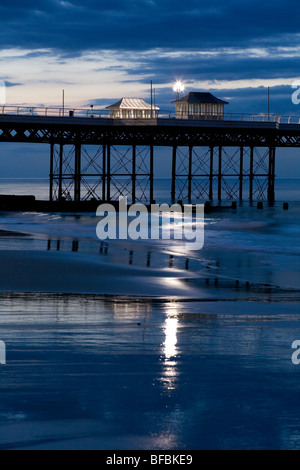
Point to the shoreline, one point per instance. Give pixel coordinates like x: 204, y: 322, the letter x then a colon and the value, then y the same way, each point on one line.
x: 60, y: 274
x: 51, y: 272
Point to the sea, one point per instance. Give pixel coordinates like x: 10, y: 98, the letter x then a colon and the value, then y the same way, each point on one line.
x: 212, y: 369
x: 286, y: 189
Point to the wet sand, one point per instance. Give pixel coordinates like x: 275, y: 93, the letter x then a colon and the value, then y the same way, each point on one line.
x: 141, y: 346
x: 85, y: 372
x: 33, y: 271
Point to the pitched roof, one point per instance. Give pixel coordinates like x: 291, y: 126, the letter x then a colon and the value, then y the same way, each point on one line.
x: 200, y: 98
x: 132, y: 103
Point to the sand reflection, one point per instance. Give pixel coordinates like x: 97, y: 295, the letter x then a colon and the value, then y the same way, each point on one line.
x: 170, y: 348
x: 170, y: 344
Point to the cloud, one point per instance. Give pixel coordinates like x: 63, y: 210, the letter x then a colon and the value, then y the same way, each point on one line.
x: 97, y: 77
x: 142, y: 24
x: 11, y: 84
x: 99, y: 50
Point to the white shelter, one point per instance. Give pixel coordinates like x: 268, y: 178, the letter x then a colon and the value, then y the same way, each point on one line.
x: 196, y: 105
x: 132, y: 108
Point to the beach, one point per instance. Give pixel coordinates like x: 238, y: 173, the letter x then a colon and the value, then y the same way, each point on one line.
x: 141, y: 345
x: 149, y: 228
x: 91, y: 373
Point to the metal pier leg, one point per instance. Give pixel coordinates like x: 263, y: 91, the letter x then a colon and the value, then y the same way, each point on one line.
x: 151, y: 174
x: 133, y: 174
x: 211, y: 175
x: 274, y: 174
x: 271, y: 182
x: 241, y: 172
x: 190, y: 177
x: 77, y: 191
x: 104, y: 173
x: 108, y: 173
x: 220, y: 174
x: 60, y: 180
x: 174, y: 165
x: 251, y: 173
x: 51, y: 172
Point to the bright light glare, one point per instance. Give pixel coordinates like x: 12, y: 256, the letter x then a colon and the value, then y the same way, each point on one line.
x: 178, y: 87
x: 171, y: 337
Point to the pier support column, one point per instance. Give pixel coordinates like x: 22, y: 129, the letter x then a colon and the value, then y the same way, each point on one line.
x: 108, y: 173
x: 77, y: 178
x: 190, y: 176
x: 60, y: 176
x: 220, y: 174
x: 241, y: 172
x: 271, y: 178
x: 251, y: 173
x: 174, y: 165
x: 151, y: 174
x: 51, y: 172
x: 104, y: 173
x: 211, y: 174
x: 133, y: 174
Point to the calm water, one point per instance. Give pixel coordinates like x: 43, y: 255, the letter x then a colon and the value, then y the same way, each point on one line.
x: 286, y: 190
x: 213, y: 371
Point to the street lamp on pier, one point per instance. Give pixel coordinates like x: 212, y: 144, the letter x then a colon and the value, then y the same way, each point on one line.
x: 178, y: 88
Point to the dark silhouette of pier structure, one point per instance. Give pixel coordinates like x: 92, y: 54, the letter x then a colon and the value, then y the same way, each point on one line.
x: 95, y: 158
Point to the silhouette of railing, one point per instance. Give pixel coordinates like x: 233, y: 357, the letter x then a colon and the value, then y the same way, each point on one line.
x: 93, y: 113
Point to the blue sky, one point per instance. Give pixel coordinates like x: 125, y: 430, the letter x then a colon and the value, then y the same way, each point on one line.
x: 99, y: 51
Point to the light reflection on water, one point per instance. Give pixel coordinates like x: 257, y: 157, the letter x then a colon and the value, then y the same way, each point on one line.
x: 170, y: 350
x: 171, y: 338
x: 112, y: 373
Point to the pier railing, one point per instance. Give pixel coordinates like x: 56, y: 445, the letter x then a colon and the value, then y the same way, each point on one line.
x: 93, y: 113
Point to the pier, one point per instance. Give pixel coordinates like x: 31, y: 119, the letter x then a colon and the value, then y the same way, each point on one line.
x: 95, y: 158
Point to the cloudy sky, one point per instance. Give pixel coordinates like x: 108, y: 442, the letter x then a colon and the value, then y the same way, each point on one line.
x: 99, y: 51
